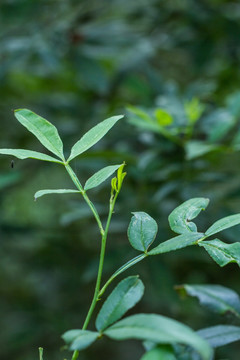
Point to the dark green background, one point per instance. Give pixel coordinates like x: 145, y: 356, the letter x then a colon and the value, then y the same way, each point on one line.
x: 76, y: 63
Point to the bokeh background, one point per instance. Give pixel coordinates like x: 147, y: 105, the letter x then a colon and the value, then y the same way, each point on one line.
x: 77, y: 63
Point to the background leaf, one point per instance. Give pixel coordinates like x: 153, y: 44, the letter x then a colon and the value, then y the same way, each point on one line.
x: 220, y: 335
x: 223, y: 224
x: 160, y: 353
x: 125, y: 295
x: 40, y: 193
x: 176, y: 243
x: 215, y: 297
x: 142, y: 231
x: 28, y: 154
x: 100, y: 176
x: 46, y: 132
x: 93, y: 136
x: 159, y: 329
x: 222, y: 253
x: 179, y: 219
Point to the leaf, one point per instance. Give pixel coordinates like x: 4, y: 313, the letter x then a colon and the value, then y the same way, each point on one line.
x: 160, y: 353
x: 142, y: 231
x: 220, y: 335
x: 177, y: 243
x: 163, y: 117
x: 215, y: 297
x: 222, y: 253
x: 159, y: 329
x: 93, y: 136
x: 46, y: 132
x: 79, y: 339
x: 223, y: 224
x: 40, y: 193
x: 26, y: 154
x: 100, y: 176
x: 125, y: 295
x: 197, y: 148
x: 189, y: 210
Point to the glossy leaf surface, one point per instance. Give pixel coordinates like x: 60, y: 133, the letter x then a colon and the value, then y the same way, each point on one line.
x: 179, y: 219
x: 44, y: 131
x: 29, y: 154
x: 158, y: 329
x: 223, y: 224
x: 222, y: 253
x: 142, y: 231
x: 79, y: 339
x: 220, y: 335
x: 215, y: 297
x: 40, y: 193
x: 93, y: 136
x: 100, y: 176
x: 125, y: 295
x: 176, y: 243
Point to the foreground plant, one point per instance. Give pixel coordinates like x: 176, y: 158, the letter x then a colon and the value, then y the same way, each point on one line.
x: 163, y: 338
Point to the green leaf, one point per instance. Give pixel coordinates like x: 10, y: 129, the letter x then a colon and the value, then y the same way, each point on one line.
x: 215, y: 297
x: 160, y: 353
x: 220, y: 335
x: 93, y: 136
x: 40, y: 353
x: 197, y: 148
x: 100, y: 176
x: 194, y: 109
x: 179, y: 219
x: 79, y: 339
x: 28, y: 154
x: 142, y: 231
x: 46, y: 132
x: 223, y: 224
x: 125, y: 295
x: 163, y: 117
x: 222, y: 253
x: 40, y: 193
x: 177, y: 243
x: 160, y: 330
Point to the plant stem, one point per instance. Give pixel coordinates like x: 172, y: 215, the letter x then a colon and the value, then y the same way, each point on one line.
x: 86, y: 198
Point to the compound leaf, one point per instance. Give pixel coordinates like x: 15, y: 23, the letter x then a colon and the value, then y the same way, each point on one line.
x: 222, y: 253
x: 100, y: 176
x: 44, y: 131
x: 93, y: 136
x: 160, y: 330
x: 79, y: 339
x: 223, y: 224
x: 142, y: 231
x: 179, y: 219
x: 29, y: 154
x: 125, y: 295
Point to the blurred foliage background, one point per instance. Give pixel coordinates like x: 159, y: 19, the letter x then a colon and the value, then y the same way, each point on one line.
x: 173, y: 68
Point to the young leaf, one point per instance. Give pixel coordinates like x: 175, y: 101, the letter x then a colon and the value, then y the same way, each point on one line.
x: 93, y: 136
x: 179, y: 219
x: 40, y: 353
x: 160, y: 353
x: 29, y: 154
x: 222, y: 253
x: 100, y: 176
x: 79, y: 339
x: 215, y: 297
x: 176, y: 243
x: 40, y: 193
x: 220, y: 335
x: 223, y: 224
x: 142, y: 231
x: 160, y: 330
x: 125, y: 295
x: 46, y: 133
x: 163, y: 117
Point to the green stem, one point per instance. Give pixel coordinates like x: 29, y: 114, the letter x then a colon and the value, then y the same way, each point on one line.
x: 121, y: 270
x: 86, y: 198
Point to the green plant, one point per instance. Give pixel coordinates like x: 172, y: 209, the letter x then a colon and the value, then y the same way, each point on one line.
x: 163, y: 337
